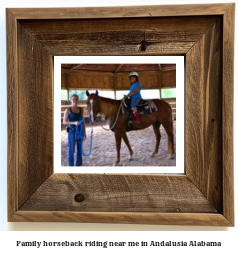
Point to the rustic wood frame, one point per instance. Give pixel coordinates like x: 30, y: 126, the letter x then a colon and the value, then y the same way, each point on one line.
x: 204, y: 196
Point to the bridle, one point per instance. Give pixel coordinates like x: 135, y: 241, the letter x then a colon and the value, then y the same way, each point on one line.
x: 97, y: 105
x: 91, y: 108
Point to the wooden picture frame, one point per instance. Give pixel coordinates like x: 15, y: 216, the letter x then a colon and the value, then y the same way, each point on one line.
x: 204, y: 34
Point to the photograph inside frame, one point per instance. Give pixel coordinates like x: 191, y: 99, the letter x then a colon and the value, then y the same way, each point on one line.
x: 119, y: 114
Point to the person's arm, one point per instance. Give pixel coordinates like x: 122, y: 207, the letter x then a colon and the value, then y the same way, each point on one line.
x: 66, y: 118
x: 133, y: 93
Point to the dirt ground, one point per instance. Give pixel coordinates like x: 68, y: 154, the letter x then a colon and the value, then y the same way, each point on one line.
x: 104, y: 148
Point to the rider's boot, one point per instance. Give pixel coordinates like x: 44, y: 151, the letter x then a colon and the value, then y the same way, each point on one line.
x: 137, y: 116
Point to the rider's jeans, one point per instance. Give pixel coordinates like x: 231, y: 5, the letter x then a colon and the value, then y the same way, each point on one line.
x: 72, y: 142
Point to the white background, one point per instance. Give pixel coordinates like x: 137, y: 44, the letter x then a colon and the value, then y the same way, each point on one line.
x: 7, y: 239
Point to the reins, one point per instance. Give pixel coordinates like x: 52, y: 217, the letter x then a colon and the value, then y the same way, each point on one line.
x: 110, y: 128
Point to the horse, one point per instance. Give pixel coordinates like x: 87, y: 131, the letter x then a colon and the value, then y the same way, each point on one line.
x: 118, y: 122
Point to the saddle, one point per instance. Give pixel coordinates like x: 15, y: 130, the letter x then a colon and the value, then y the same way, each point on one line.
x: 144, y: 107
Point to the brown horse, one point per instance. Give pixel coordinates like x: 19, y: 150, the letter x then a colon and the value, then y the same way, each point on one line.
x: 118, y: 122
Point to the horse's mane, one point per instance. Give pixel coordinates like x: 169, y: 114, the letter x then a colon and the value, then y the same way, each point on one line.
x: 109, y: 107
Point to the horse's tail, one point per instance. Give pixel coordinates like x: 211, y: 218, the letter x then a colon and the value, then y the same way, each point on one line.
x: 166, y: 113
x: 171, y: 137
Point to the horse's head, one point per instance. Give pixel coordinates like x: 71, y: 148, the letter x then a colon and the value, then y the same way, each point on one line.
x: 93, y: 104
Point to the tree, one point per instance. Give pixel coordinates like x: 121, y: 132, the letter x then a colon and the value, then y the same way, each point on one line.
x: 81, y: 94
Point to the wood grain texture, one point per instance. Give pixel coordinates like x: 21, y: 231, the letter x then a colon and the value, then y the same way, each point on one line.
x: 93, y: 79
x: 74, y: 48
x: 120, y: 12
x: 204, y: 115
x: 190, y: 219
x: 56, y: 29
x: 119, y: 193
x: 12, y: 116
x: 227, y: 113
x: 119, y: 36
x: 208, y: 184
x: 35, y: 100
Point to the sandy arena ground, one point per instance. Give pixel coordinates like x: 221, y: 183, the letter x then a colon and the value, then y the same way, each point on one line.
x: 104, y: 148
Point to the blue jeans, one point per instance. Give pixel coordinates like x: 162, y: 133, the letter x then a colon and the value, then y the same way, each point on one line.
x: 134, y: 102
x: 71, y: 141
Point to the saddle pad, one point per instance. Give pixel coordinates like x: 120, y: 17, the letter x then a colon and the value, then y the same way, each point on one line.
x: 147, y: 108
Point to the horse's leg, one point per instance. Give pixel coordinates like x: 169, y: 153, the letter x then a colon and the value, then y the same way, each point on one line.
x: 118, y: 147
x: 169, y: 130
x: 156, y: 127
x: 125, y: 138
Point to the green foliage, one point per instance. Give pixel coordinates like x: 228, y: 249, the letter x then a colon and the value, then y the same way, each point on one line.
x: 81, y: 94
x: 63, y: 95
x: 168, y: 93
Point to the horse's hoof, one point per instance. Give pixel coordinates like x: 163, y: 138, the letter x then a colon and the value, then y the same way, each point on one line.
x: 115, y: 164
x: 130, y: 158
x: 171, y: 157
x: 152, y: 155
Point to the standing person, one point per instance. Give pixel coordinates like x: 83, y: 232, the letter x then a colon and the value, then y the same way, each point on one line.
x: 72, y: 116
x: 134, y: 94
